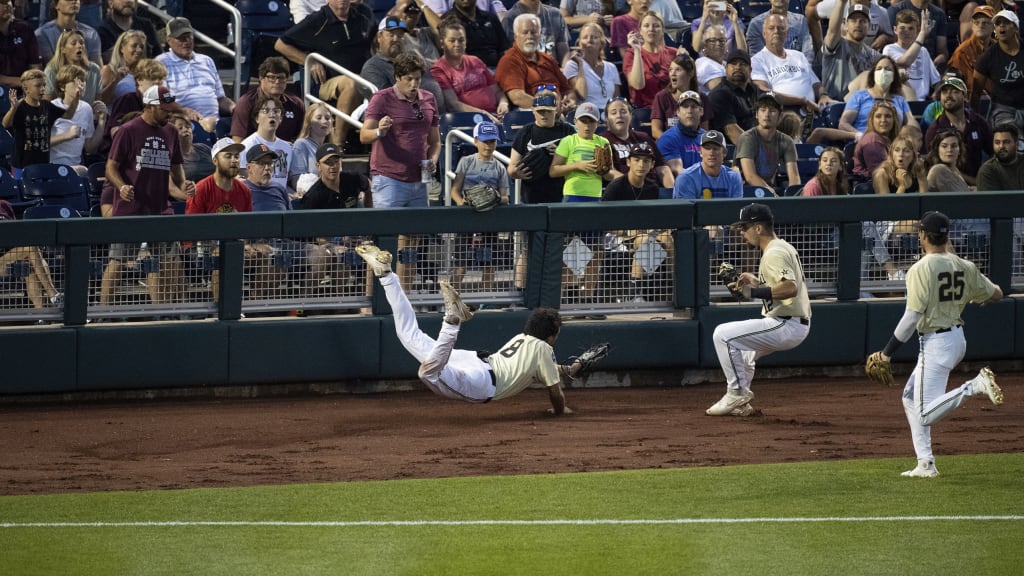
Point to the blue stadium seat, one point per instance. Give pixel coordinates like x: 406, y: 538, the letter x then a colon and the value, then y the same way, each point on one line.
x: 515, y: 120
x: 57, y: 211
x: 5, y: 100
x: 807, y: 168
x: 864, y: 188
x: 809, y: 151
x: 11, y: 191
x: 758, y: 192
x: 917, y: 108
x: 55, y: 184
x: 97, y: 178
x: 263, y: 22
x: 6, y: 148
x: 464, y: 121
x: 642, y: 120
x: 793, y: 190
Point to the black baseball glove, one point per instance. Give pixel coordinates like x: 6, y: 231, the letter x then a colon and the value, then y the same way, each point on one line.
x: 589, y: 358
x: 481, y: 197
x: 728, y: 274
x: 538, y: 162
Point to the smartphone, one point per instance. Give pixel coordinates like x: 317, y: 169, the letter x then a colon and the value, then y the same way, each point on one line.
x: 717, y: 6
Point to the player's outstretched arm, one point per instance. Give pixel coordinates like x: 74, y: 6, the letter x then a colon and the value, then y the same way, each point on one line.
x: 557, y: 398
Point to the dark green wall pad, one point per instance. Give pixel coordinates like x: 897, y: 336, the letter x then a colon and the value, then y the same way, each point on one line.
x: 153, y: 356
x: 641, y: 345
x: 38, y: 361
x: 327, y: 350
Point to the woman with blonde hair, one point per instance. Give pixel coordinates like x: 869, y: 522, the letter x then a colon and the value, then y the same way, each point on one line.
x: 148, y: 72
x: 873, y: 146
x: 71, y: 50
x: 317, y: 125
x: 902, y: 171
x: 831, y: 177
x: 594, y: 79
x: 117, y: 75
x: 647, y: 61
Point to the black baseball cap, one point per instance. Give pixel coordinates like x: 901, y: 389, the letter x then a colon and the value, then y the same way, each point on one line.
x: 737, y: 54
x: 769, y: 99
x: 641, y: 149
x: 754, y: 214
x: 935, y: 223
x: 326, y: 150
x: 258, y: 151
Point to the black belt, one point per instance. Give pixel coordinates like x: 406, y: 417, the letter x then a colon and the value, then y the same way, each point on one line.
x: 939, y: 331
x: 804, y: 321
x: 494, y: 382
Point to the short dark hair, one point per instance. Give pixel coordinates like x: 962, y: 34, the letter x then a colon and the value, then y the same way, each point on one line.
x: 1007, y: 127
x: 260, y: 102
x: 543, y: 323
x: 936, y: 238
x: 407, y: 63
x: 274, y: 65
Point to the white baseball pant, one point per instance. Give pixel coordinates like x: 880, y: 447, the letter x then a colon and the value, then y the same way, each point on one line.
x: 740, y: 344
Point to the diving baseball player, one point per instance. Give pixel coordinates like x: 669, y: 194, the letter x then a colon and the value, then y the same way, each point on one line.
x: 939, y: 285
x: 462, y: 374
x: 786, y: 313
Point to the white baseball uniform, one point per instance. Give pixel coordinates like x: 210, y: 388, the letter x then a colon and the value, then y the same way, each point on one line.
x: 939, y: 285
x: 784, y: 324
x: 461, y: 374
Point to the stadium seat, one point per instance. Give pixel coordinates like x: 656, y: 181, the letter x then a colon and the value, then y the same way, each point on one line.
x: 10, y: 190
x: 97, y: 178
x: 808, y: 151
x: 263, y: 22
x: 642, y: 120
x: 758, y: 192
x: 793, y: 190
x: 5, y: 100
x: 464, y: 121
x: 6, y: 149
x: 56, y: 211
x: 56, y: 184
x: 864, y: 188
x: 807, y: 168
x: 515, y: 120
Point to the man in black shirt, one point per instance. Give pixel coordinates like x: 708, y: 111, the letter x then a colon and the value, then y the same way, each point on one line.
x: 122, y: 16
x: 332, y: 260
x: 340, y: 31
x: 485, y: 37
x: 733, y: 100
x: 634, y: 184
x: 335, y: 189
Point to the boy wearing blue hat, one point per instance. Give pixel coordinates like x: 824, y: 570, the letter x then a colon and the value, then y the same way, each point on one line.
x: 479, y: 168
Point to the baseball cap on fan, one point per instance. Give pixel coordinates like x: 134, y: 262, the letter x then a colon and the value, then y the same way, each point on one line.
x: 177, y: 27
x: 161, y: 96
x: 859, y: 9
x: 754, y: 214
x: 258, y: 151
x: 226, y: 144
x: 935, y: 223
x: 486, y: 131
x: 1008, y: 15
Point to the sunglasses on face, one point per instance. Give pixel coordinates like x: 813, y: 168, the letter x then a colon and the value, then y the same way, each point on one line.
x: 417, y: 110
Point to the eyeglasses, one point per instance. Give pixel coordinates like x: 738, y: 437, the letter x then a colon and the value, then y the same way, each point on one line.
x: 275, y: 78
x: 543, y: 87
x: 271, y: 111
x: 262, y: 163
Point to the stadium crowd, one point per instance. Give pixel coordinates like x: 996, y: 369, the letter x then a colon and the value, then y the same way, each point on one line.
x: 900, y: 98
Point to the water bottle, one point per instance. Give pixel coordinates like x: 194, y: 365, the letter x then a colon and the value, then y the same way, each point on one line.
x: 426, y: 174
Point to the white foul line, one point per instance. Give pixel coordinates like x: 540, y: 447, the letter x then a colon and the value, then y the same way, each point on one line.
x: 555, y: 522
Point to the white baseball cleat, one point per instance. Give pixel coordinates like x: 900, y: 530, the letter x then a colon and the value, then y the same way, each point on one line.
x: 924, y: 469
x: 379, y: 260
x: 985, y: 383
x: 745, y: 411
x: 455, y: 310
x: 730, y: 402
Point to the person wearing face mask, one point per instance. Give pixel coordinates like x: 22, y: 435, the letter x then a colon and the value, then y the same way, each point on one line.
x: 883, y: 83
x: 680, y: 145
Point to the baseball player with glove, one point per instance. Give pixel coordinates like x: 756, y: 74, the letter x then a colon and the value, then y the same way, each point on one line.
x: 939, y: 286
x: 786, y: 313
x: 464, y: 374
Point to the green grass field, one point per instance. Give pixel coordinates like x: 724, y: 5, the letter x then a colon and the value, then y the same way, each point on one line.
x: 851, y: 517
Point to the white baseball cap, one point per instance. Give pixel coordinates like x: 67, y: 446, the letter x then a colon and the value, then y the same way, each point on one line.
x: 1008, y: 15
x: 226, y: 144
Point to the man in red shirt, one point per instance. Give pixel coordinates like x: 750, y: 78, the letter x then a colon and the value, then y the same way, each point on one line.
x: 524, y: 68
x: 222, y: 192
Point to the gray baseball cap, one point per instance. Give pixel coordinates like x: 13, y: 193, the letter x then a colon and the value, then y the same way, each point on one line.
x: 712, y: 137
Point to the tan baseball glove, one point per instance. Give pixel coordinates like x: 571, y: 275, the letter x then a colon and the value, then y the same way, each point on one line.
x: 879, y: 369
x: 603, y: 159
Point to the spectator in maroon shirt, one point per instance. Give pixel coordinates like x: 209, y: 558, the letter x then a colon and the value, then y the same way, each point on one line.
x: 19, y: 50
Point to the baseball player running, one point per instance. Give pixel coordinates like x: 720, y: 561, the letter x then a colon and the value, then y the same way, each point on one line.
x: 462, y: 374
x: 786, y: 314
x: 939, y: 285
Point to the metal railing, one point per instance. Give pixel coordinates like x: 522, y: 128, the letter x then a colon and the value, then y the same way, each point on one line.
x: 236, y: 31
x: 310, y: 97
